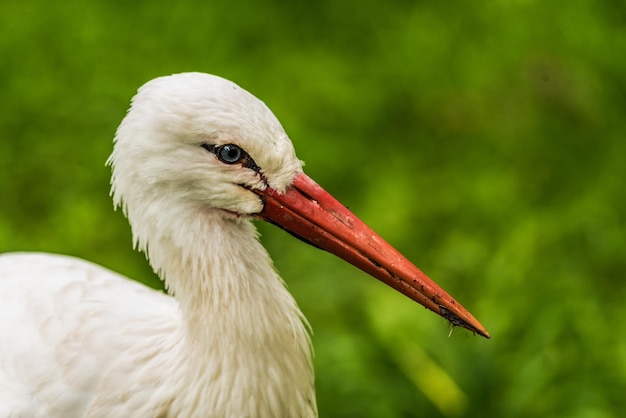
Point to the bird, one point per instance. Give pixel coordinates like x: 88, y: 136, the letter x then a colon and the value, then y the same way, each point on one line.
x: 195, y: 161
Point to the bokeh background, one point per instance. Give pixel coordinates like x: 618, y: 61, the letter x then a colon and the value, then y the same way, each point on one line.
x: 485, y: 140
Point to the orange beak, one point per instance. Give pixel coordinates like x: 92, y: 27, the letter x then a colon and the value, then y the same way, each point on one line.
x: 312, y: 214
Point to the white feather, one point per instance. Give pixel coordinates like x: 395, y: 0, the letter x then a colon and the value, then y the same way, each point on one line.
x: 78, y: 340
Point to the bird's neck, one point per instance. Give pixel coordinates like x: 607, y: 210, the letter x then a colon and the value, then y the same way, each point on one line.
x: 244, y: 338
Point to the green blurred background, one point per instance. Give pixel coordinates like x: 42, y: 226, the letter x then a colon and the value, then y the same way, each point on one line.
x: 485, y: 140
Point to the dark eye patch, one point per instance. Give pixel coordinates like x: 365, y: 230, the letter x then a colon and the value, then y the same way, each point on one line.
x: 232, y: 154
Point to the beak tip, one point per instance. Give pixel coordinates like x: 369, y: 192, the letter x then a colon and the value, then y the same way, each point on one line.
x: 484, y: 333
x: 476, y: 330
x: 463, y: 320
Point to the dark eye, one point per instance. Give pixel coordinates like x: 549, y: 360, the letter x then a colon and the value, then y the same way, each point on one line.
x: 230, y: 154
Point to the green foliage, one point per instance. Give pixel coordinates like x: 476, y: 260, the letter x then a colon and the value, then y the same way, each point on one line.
x: 484, y: 140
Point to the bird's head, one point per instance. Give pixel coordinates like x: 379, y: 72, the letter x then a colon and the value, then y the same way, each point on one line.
x: 198, y: 141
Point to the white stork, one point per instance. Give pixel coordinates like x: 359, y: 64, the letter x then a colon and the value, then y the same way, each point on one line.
x: 194, y: 161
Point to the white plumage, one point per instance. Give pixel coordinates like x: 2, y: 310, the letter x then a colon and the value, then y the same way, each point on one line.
x: 195, y: 158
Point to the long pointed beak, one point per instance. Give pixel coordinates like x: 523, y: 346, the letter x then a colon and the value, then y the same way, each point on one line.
x: 309, y: 212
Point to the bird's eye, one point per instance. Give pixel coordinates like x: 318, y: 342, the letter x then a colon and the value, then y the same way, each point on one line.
x: 230, y: 154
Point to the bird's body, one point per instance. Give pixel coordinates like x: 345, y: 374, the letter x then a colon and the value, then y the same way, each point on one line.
x: 84, y: 341
x: 64, y: 326
x: 194, y: 160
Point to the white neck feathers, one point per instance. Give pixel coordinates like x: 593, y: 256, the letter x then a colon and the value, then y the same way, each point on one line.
x: 244, y: 339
